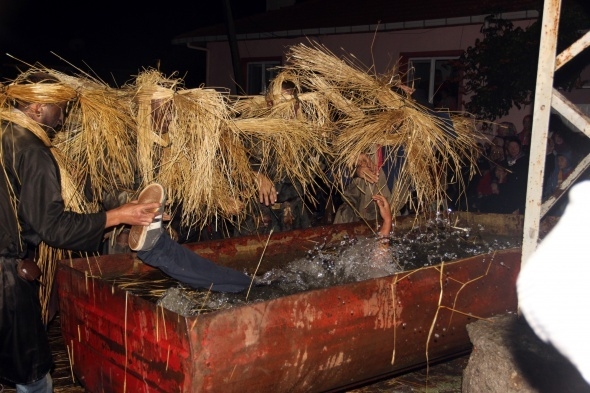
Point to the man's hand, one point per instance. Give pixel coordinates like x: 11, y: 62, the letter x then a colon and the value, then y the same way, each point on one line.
x: 132, y: 213
x: 366, y: 169
x: 267, y: 193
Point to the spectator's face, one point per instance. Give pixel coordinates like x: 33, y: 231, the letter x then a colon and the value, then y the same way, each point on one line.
x: 513, y: 149
x: 557, y: 139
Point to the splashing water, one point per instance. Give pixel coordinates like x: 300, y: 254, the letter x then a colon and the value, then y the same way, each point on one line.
x: 355, y: 259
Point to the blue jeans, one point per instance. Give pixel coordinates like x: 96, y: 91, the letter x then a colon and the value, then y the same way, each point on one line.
x: 44, y: 385
x: 190, y: 268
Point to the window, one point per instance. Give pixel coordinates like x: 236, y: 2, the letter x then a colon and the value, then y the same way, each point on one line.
x: 434, y: 77
x: 259, y: 72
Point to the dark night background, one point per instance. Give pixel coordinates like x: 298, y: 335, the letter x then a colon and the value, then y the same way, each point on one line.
x: 112, y: 39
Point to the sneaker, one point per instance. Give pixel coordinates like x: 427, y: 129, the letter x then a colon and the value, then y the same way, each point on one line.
x: 144, y: 237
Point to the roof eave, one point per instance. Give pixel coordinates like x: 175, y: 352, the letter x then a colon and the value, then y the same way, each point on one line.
x: 369, y: 28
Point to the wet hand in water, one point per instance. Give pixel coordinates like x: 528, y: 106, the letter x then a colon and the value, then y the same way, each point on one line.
x: 383, y: 205
x: 385, y: 212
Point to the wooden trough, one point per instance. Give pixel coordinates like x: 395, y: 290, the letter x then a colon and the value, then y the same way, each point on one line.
x: 314, y: 341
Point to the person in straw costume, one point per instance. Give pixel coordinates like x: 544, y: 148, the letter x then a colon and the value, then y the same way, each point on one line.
x: 368, y: 109
x: 185, y: 142
x: 281, y: 205
x: 35, y: 193
x: 369, y: 179
x: 159, y: 133
x: 287, y: 151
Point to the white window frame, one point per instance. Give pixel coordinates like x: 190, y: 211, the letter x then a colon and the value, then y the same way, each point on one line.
x: 433, y: 61
x: 266, y: 66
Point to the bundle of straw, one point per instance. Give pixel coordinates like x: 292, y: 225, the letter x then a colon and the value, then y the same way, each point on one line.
x: 195, y: 154
x: 370, y: 109
x: 99, y: 134
x: 285, y: 134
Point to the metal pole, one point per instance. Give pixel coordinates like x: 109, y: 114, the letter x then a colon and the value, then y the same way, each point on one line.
x: 542, y: 111
x: 575, y: 49
x: 233, y: 46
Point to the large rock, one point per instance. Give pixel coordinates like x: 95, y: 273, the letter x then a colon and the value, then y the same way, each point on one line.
x: 508, y: 357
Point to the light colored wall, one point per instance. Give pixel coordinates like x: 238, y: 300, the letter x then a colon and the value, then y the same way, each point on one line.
x: 381, y: 50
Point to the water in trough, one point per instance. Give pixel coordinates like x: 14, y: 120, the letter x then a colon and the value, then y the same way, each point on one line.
x: 351, y: 260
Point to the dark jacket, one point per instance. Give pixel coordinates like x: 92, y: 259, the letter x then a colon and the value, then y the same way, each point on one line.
x: 30, y: 184
x: 516, y: 184
x: 34, y: 178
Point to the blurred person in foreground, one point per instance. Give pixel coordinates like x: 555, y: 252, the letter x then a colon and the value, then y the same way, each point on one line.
x: 559, y: 316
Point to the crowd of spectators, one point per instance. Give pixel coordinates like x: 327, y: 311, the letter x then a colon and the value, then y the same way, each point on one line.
x: 501, y: 184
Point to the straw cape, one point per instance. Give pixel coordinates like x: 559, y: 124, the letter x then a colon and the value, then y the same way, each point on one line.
x: 367, y: 109
x: 186, y: 142
x: 285, y: 135
x: 99, y: 135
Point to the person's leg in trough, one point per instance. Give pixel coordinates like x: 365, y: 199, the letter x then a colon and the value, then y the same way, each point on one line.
x: 157, y: 249
x: 190, y: 268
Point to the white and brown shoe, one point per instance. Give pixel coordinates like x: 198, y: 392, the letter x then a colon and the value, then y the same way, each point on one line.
x: 144, y: 237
